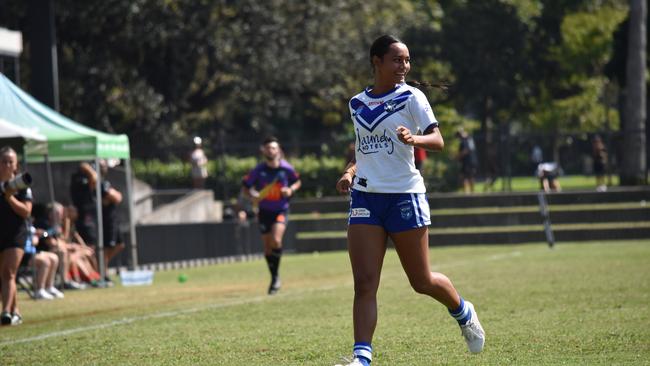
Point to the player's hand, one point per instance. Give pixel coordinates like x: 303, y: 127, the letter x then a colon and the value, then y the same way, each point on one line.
x: 286, y: 192
x: 255, y: 196
x: 405, y: 135
x: 8, y: 192
x: 344, y: 183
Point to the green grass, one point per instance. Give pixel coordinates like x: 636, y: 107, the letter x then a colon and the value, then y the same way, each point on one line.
x: 526, y: 184
x: 494, y: 229
x: 581, y: 304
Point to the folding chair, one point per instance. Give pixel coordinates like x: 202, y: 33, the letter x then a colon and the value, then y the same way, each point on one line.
x: 27, y: 272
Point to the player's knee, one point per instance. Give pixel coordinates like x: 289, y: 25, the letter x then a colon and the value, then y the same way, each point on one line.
x: 365, y: 285
x: 275, y: 243
x: 8, y: 274
x: 424, y: 285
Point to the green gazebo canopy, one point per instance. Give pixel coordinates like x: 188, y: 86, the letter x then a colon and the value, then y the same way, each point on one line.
x: 64, y: 139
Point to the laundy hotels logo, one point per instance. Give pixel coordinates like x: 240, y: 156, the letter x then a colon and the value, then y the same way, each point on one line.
x: 359, y: 212
x: 375, y: 143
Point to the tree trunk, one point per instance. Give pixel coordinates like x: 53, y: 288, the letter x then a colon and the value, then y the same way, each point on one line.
x: 633, y: 167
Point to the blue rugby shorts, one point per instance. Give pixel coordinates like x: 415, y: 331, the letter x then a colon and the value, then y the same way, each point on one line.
x: 394, y: 212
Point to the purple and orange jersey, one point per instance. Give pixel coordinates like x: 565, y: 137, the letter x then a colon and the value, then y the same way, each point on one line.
x: 269, y: 182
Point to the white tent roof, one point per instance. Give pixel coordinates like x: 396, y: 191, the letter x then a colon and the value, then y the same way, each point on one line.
x: 10, y: 130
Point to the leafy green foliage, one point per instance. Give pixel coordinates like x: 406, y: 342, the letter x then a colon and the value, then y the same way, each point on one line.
x: 318, y: 174
x: 165, y: 70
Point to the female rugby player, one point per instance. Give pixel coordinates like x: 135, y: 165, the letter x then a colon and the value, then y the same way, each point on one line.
x: 388, y: 196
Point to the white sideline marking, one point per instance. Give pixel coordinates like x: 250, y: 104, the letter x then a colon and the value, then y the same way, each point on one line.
x: 167, y: 314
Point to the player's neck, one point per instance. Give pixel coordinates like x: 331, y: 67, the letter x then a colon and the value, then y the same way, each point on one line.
x: 382, y: 87
x: 275, y: 163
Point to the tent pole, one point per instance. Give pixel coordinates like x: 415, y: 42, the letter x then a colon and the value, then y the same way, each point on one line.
x: 50, y: 184
x: 132, y: 236
x: 100, y: 223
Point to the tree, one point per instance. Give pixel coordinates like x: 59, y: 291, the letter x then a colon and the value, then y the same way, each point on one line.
x: 634, y: 165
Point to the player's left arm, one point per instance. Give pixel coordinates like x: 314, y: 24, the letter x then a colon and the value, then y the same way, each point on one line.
x: 422, y: 120
x: 430, y: 140
x: 294, y: 184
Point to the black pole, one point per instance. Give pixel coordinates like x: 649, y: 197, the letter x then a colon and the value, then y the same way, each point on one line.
x: 44, y: 81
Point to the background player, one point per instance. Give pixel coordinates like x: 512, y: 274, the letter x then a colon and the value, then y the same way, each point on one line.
x: 270, y: 185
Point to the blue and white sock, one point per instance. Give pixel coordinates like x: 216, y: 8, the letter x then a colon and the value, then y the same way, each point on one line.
x: 363, y: 351
x: 461, y: 313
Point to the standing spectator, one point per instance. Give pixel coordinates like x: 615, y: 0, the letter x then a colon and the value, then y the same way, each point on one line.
x: 491, y: 167
x: 82, y: 192
x: 270, y: 185
x: 15, y: 209
x: 420, y: 156
x: 388, y: 196
x: 599, y: 154
x: 468, y: 160
x: 536, y: 157
x: 111, y: 198
x: 199, y: 164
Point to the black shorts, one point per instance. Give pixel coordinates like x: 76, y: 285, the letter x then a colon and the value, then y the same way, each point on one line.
x: 599, y: 168
x: 26, y: 258
x: 88, y: 233
x: 468, y: 170
x: 112, y: 236
x: 17, y: 239
x: 266, y: 219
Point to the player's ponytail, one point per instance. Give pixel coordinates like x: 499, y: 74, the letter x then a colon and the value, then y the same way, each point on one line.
x: 442, y: 85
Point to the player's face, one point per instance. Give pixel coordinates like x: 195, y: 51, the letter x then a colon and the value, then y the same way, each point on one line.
x: 395, y: 64
x: 8, y: 165
x: 271, y: 151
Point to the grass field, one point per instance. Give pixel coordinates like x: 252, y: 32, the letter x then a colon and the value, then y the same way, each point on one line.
x: 528, y: 184
x: 584, y: 303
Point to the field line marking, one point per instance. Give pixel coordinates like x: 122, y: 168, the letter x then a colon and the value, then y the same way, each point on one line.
x: 167, y: 314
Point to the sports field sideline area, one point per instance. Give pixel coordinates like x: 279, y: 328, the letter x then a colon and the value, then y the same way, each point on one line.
x: 585, y: 303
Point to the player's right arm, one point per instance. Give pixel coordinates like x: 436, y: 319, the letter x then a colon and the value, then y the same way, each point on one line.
x: 345, y: 182
x: 248, y: 186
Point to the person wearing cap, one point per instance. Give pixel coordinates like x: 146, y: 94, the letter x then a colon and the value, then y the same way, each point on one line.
x: 199, y: 164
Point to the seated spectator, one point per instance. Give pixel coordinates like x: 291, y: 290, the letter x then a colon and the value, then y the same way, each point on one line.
x: 48, y: 225
x: 86, y: 264
x: 46, y: 265
x: 548, y: 174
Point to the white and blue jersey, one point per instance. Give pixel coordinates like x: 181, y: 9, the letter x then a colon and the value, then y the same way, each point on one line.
x: 387, y: 189
x: 384, y: 164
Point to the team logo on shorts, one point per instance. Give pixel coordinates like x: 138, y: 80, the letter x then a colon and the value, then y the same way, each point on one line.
x: 359, y: 212
x: 406, y: 210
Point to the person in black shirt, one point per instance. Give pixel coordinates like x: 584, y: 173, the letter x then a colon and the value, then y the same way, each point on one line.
x: 82, y: 192
x: 15, y: 208
x: 468, y: 160
x: 111, y: 198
